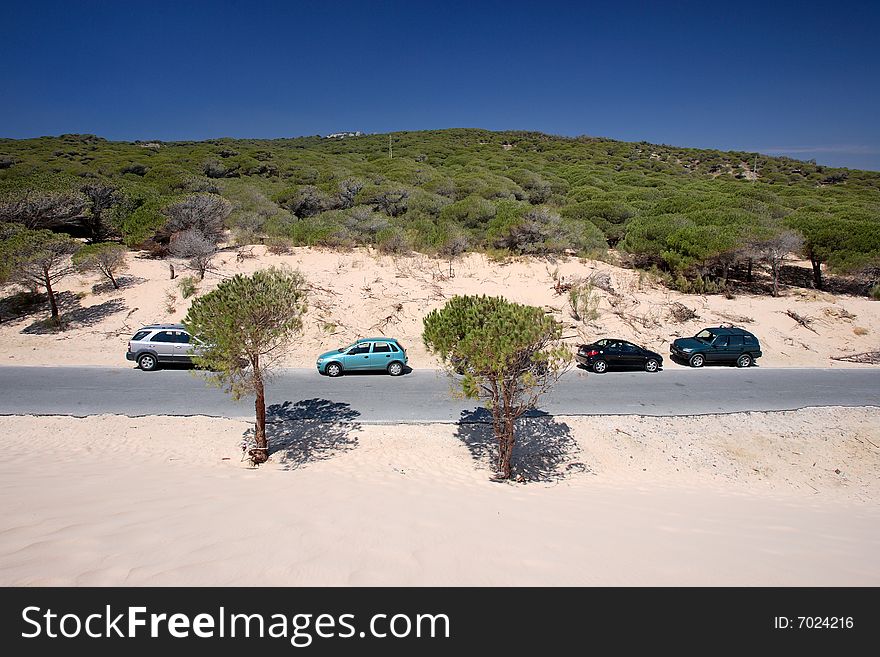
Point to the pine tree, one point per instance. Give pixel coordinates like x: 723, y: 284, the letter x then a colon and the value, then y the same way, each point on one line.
x: 38, y: 258
x: 106, y: 258
x: 509, y: 355
x: 245, y: 324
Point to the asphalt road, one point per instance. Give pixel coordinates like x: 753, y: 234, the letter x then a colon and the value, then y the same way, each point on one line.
x: 427, y: 395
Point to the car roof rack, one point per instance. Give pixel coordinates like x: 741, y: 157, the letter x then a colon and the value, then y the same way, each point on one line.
x: 177, y: 327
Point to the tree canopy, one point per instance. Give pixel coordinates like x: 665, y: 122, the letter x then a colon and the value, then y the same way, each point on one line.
x: 243, y: 327
x: 508, y: 354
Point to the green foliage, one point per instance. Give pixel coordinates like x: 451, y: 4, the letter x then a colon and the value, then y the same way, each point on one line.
x: 508, y: 353
x: 106, y: 258
x: 845, y: 240
x: 246, y: 318
x: 470, y: 212
x: 583, y: 302
x: 188, y: 286
x: 393, y: 241
x: 279, y: 246
x: 244, y: 326
x: 609, y: 216
x: 36, y: 259
x: 540, y: 230
x: 687, y: 211
x: 139, y: 216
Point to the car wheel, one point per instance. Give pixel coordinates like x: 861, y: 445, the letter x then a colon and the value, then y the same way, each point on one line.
x: 333, y: 369
x: 744, y: 361
x: 395, y: 369
x: 651, y: 365
x: 697, y: 360
x: 600, y: 366
x: 148, y: 362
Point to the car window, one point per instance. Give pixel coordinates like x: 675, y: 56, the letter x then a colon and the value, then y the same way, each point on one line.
x: 736, y: 341
x: 749, y: 339
x: 627, y: 347
x: 401, y: 347
x: 164, y: 336
x: 363, y: 348
x: 393, y: 346
x: 182, y: 337
x: 381, y: 348
x: 140, y: 335
x: 602, y: 343
x: 705, y: 335
x: 720, y: 341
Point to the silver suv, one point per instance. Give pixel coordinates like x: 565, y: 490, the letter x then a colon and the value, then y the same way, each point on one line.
x: 161, y: 343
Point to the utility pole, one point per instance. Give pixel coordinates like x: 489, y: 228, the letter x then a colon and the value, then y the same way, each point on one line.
x: 390, y: 150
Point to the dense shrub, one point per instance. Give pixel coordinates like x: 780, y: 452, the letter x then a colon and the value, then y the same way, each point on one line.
x: 683, y: 210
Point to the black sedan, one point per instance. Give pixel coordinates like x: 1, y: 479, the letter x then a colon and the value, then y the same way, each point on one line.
x: 611, y: 352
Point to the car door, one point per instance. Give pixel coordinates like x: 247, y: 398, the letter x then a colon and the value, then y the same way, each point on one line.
x: 611, y: 353
x: 734, y: 347
x: 380, y: 356
x: 358, y: 357
x: 630, y: 355
x: 718, y: 351
x: 163, y: 344
x: 182, y: 346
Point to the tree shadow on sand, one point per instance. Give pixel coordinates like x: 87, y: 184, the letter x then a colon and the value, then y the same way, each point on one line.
x: 124, y: 282
x: 545, y: 450
x: 77, y: 316
x: 308, y: 431
x: 24, y: 304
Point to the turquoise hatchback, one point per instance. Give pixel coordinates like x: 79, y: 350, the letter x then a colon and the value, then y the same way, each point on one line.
x: 365, y: 354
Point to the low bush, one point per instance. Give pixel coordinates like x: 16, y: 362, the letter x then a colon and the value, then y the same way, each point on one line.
x: 188, y: 286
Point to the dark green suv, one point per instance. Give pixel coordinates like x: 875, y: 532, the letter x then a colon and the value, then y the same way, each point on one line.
x: 723, y: 344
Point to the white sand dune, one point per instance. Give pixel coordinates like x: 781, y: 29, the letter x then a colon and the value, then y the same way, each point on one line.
x: 747, y: 499
x: 360, y: 294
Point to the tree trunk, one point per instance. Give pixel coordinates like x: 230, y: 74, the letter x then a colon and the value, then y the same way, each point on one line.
x: 47, y: 281
x: 504, y: 432
x: 171, y: 269
x: 113, y: 280
x: 749, y: 272
x: 509, y: 440
x: 775, y: 268
x: 260, y: 453
x: 95, y: 227
x: 498, y: 432
x: 817, y: 272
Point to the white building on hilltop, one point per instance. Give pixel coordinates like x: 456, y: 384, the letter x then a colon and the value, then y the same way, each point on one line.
x: 343, y: 135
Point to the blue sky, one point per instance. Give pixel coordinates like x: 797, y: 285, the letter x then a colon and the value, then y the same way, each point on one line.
x: 796, y: 78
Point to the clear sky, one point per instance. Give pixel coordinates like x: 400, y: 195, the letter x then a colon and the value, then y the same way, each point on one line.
x: 796, y: 78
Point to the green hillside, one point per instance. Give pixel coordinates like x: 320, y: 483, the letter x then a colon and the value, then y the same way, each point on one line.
x: 691, y: 213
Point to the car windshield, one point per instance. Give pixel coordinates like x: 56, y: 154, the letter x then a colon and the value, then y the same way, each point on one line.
x: 351, y: 346
x: 705, y: 335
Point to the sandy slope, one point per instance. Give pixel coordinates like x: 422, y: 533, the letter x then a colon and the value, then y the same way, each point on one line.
x: 754, y: 499
x: 361, y: 294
